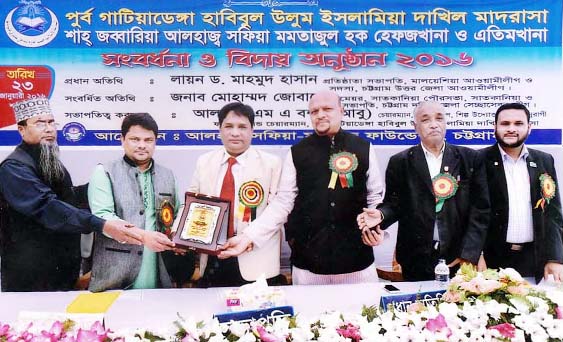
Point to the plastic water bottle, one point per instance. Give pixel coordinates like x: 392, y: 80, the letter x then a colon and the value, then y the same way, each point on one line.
x: 442, y: 273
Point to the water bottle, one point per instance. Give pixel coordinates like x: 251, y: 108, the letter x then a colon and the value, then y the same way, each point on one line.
x: 442, y: 273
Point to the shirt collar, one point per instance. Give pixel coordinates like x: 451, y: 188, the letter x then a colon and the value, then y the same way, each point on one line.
x: 523, y: 154
x: 427, y: 153
x: 241, y: 158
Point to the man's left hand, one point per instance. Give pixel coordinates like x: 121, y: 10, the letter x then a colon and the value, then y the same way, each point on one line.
x: 235, y: 246
x: 554, y: 268
x: 372, y: 237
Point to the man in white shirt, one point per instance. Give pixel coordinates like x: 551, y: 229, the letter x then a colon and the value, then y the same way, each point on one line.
x: 255, y: 176
x: 327, y: 179
x: 526, y: 220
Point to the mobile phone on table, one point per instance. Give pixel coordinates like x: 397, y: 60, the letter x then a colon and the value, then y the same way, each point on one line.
x: 391, y: 288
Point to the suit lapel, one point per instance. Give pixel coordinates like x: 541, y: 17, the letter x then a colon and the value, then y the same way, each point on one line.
x: 450, y: 161
x: 497, y: 175
x: 419, y: 164
x: 533, y: 171
x: 251, y: 168
x: 212, y: 173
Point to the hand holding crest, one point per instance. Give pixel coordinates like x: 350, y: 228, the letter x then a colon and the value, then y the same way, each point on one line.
x: 235, y: 246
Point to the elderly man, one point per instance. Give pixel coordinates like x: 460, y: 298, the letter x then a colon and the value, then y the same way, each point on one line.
x: 242, y: 168
x: 41, y: 242
x: 438, y: 193
x: 327, y: 179
x: 137, y: 189
x: 526, y: 220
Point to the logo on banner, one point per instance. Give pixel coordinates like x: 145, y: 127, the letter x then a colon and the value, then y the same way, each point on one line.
x: 74, y: 131
x: 31, y: 24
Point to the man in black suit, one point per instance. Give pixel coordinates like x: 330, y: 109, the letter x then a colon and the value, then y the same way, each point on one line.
x: 438, y: 193
x: 526, y: 220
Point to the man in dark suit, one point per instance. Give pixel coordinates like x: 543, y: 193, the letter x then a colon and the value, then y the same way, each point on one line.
x: 526, y: 220
x: 438, y: 193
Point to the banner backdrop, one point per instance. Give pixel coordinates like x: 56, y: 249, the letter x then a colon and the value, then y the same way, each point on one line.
x: 182, y: 61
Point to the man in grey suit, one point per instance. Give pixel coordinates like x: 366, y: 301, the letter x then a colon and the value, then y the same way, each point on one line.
x: 137, y: 189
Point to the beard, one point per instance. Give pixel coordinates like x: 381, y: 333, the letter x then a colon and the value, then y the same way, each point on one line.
x: 518, y: 143
x: 49, y: 163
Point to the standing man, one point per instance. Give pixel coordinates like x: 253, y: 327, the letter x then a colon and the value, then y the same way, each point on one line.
x: 245, y: 170
x: 41, y: 239
x: 327, y: 179
x: 137, y: 189
x: 438, y: 193
x: 526, y: 221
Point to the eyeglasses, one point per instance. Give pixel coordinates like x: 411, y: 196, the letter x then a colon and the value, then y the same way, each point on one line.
x: 42, y: 125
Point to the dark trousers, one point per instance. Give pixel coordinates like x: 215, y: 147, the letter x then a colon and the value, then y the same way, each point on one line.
x: 521, y: 258
x: 423, y: 269
x: 226, y: 273
x: 27, y: 271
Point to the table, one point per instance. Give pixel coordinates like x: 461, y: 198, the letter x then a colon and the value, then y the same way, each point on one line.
x: 152, y: 309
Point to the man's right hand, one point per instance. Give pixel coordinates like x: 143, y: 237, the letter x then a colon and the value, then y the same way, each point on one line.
x: 235, y: 246
x: 123, y: 232
x: 371, y: 217
x: 156, y: 241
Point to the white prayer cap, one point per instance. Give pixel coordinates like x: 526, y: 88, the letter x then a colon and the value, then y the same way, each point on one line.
x: 36, y: 106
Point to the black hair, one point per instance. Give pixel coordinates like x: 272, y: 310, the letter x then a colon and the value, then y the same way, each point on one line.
x: 144, y: 120
x: 239, y: 109
x: 513, y: 105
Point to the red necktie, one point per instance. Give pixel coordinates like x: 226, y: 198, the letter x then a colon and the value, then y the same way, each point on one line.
x: 228, y: 193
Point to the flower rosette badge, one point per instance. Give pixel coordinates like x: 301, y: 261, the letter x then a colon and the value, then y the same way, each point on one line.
x: 251, y: 195
x: 166, y: 217
x: 444, y: 187
x: 342, y: 165
x: 547, y: 185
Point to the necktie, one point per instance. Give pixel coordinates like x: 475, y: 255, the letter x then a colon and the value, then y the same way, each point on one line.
x: 228, y: 193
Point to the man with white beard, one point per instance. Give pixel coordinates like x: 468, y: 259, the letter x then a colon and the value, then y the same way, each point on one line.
x: 40, y: 248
